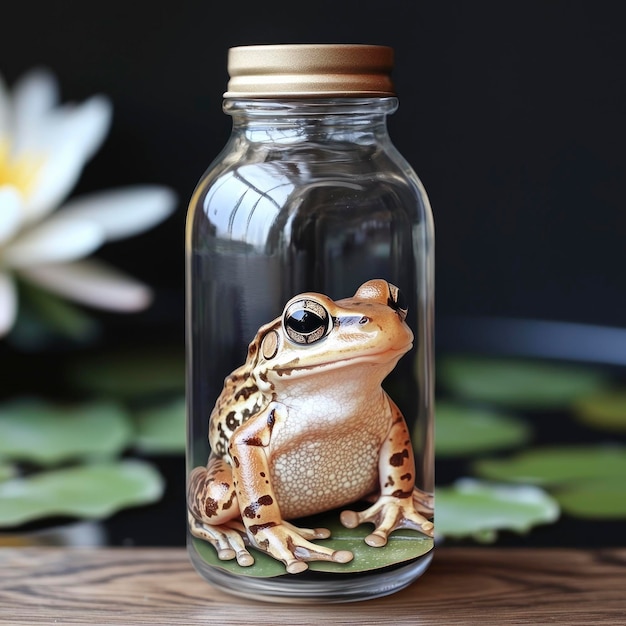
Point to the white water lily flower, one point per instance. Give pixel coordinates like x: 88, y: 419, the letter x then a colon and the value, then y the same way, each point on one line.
x: 44, y: 238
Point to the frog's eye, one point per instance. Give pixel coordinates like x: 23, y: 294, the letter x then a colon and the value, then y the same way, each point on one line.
x: 306, y: 321
x: 398, y: 302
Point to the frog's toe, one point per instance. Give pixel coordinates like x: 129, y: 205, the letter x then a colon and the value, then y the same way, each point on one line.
x: 377, y: 539
x: 350, y: 519
x: 230, y: 552
x: 228, y: 549
x: 244, y: 558
x: 230, y: 545
x: 309, y: 533
x: 318, y: 553
x: 320, y: 533
x: 343, y: 556
x: 226, y: 554
x: 296, y: 566
x: 300, y: 563
x: 424, y: 502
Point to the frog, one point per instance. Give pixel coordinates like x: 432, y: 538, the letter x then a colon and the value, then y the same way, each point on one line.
x: 304, y: 426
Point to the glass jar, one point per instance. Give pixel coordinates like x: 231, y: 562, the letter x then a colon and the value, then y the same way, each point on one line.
x: 309, y: 269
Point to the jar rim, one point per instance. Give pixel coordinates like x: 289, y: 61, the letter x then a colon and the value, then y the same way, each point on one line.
x: 288, y: 106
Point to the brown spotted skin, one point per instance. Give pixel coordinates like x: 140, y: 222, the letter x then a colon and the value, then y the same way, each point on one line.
x: 304, y: 426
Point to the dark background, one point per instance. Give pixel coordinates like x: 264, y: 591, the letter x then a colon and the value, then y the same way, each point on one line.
x: 511, y: 113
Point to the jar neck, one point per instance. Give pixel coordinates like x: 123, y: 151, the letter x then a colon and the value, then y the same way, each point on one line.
x: 330, y: 119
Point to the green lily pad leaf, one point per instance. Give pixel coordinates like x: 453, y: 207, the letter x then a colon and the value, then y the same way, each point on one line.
x: 86, y: 491
x: 46, y: 433
x: 463, y: 430
x: 518, y: 383
x: 162, y: 429
x: 131, y: 374
x: 476, y: 509
x: 605, y: 410
x: 557, y: 466
x: 403, y: 545
x: 6, y: 471
x: 594, y: 499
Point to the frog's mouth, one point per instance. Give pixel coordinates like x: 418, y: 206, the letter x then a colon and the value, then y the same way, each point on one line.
x: 383, y: 358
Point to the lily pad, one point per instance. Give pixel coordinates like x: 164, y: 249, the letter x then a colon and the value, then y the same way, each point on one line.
x: 6, y: 471
x: 605, y: 410
x: 594, y: 499
x: 403, y: 545
x: 45, y: 433
x: 476, y: 509
x: 87, y: 491
x: 523, y: 384
x: 131, y: 374
x: 161, y: 429
x: 463, y: 430
x: 557, y: 466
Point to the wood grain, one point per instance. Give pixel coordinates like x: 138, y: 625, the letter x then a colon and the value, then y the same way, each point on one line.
x: 135, y: 586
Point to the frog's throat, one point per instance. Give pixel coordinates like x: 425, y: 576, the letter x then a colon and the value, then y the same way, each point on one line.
x: 293, y: 368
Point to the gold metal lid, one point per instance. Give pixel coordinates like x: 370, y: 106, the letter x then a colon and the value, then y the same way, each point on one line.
x: 309, y: 71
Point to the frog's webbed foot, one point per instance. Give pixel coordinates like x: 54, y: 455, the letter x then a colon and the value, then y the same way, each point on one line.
x: 227, y: 539
x: 423, y: 502
x: 388, y: 513
x: 291, y: 545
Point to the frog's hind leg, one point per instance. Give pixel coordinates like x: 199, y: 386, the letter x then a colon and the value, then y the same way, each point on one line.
x: 400, y: 504
x: 227, y: 539
x: 213, y: 511
x: 211, y: 496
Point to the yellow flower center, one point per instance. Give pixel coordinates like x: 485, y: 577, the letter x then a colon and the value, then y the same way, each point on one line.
x: 20, y: 172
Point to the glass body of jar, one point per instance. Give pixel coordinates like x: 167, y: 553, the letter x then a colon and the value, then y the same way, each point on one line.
x: 308, y: 195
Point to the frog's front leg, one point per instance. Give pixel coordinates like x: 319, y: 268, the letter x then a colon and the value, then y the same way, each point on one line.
x: 258, y: 504
x: 399, y: 504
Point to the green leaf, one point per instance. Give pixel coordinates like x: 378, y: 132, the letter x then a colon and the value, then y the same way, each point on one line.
x: 594, y: 499
x: 6, y: 471
x: 472, y: 508
x: 518, y: 383
x: 162, y: 429
x: 44, y: 318
x: 558, y: 465
x: 604, y: 410
x: 403, y: 545
x: 131, y: 374
x: 462, y: 430
x: 87, y: 491
x: 44, y: 433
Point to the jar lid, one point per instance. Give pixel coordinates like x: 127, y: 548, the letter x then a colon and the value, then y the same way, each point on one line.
x: 309, y: 71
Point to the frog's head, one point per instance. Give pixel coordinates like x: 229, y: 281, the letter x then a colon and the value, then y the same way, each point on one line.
x: 316, y: 334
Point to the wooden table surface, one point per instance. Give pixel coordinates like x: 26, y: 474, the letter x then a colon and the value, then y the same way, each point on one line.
x: 482, y: 585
